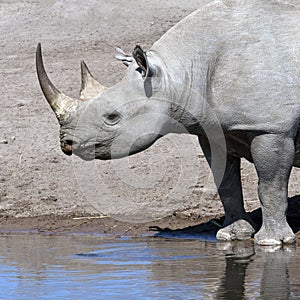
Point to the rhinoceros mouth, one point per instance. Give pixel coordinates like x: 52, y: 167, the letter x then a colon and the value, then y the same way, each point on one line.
x: 85, y: 157
x: 92, y: 152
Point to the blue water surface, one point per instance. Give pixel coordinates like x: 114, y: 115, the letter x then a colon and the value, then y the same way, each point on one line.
x: 37, y: 266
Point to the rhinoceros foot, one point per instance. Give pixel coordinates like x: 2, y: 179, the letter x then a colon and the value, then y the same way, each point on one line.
x: 238, y: 230
x: 277, y: 234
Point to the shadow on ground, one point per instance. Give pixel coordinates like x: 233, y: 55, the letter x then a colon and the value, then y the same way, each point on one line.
x: 209, y: 229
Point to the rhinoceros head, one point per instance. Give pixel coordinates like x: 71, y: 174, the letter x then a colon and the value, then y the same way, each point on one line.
x: 113, y: 122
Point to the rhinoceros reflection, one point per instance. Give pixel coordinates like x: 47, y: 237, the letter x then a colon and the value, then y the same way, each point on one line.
x: 244, y: 278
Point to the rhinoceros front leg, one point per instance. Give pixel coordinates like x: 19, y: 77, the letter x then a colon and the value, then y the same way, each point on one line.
x: 273, y: 157
x: 238, y: 224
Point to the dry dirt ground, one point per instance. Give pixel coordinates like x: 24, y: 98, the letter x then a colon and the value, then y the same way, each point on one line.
x: 169, y: 185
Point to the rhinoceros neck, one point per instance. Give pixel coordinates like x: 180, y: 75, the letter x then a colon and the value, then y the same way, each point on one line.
x: 188, y: 53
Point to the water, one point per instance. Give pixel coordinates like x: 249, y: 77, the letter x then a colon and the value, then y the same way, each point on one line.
x: 36, y: 266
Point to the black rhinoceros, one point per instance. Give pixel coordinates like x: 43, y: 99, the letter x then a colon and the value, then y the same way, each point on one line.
x: 231, y: 67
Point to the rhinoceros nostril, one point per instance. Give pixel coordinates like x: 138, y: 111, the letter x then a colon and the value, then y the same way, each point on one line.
x: 68, y: 142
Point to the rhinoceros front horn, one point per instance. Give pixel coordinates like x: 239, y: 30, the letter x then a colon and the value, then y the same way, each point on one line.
x: 59, y: 102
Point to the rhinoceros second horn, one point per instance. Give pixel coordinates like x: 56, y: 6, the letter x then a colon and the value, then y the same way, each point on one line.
x: 90, y: 87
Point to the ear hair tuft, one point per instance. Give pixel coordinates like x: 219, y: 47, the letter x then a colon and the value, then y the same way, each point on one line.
x: 122, y: 56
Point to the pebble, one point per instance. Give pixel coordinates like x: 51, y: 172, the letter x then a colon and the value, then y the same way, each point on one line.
x: 3, y: 142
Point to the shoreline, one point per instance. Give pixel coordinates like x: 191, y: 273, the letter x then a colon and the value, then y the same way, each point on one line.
x: 175, y: 226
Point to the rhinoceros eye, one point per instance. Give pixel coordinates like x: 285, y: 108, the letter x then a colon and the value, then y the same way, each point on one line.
x: 112, y: 118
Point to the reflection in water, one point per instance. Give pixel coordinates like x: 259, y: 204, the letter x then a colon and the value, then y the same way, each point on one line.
x: 100, y: 267
x: 237, y: 256
x: 275, y: 279
x: 274, y: 282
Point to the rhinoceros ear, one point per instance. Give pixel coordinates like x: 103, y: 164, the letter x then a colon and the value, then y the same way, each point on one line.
x: 147, y: 70
x: 141, y: 58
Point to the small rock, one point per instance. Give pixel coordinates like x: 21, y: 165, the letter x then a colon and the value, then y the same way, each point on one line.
x: 49, y: 199
x: 4, y: 142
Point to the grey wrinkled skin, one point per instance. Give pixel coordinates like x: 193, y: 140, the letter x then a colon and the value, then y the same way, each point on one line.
x: 234, y: 61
